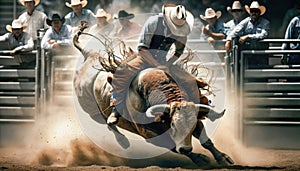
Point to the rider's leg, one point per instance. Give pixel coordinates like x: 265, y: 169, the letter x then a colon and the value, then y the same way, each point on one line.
x: 120, y: 84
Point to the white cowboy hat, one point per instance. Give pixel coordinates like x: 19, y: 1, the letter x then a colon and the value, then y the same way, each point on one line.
x: 255, y: 5
x: 16, y: 24
x: 36, y: 2
x: 236, y: 5
x: 77, y: 2
x: 102, y: 13
x: 179, y: 20
x: 210, y: 13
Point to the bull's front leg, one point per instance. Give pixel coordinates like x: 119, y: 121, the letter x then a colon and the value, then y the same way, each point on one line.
x: 200, y: 133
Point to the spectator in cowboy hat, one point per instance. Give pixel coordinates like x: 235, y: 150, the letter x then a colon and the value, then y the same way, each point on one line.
x: 33, y: 18
x: 289, y: 15
x: 249, y: 31
x: 79, y: 14
x: 18, y: 40
x: 159, y: 33
x: 237, y: 12
x: 128, y: 28
x: 102, y: 27
x: 58, y: 36
x: 215, y: 29
x: 292, y: 32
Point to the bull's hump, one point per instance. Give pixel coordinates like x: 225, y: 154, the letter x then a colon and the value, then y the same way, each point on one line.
x: 153, y: 78
x: 159, y: 87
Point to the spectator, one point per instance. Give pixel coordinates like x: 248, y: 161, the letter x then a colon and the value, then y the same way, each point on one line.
x: 128, y: 28
x: 103, y: 4
x: 159, y: 33
x: 293, y: 32
x: 215, y: 29
x: 102, y: 27
x: 249, y: 31
x: 18, y: 40
x: 33, y: 18
x: 289, y: 15
x: 79, y: 14
x: 58, y: 36
x: 237, y: 13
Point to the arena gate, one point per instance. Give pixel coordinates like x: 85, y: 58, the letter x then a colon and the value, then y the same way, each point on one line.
x: 268, y: 98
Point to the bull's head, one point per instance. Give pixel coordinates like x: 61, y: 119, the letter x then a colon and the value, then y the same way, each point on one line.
x: 183, y: 121
x: 184, y: 117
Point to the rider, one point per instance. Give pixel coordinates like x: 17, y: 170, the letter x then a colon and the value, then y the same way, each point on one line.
x: 159, y: 33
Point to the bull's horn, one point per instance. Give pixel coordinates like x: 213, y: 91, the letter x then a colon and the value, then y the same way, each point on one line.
x: 212, y: 114
x: 156, y: 108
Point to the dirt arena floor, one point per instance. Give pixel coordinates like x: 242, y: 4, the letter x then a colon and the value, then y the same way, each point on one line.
x: 261, y: 159
x: 60, y: 145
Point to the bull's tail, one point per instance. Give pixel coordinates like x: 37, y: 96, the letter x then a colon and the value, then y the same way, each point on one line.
x: 76, y: 43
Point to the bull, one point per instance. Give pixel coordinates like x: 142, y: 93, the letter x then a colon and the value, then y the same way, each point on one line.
x: 155, y: 104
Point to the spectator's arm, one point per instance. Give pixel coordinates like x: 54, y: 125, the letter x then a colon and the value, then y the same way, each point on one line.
x: 45, y: 41
x: 4, y: 37
x: 29, y: 45
x: 289, y: 33
x: 217, y: 36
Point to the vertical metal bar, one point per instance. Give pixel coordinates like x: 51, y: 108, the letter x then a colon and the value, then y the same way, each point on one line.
x: 241, y: 95
x: 236, y: 63
x: 235, y: 87
x: 42, y: 70
x: 15, y: 9
x: 228, y: 76
x: 52, y: 80
x: 36, y: 88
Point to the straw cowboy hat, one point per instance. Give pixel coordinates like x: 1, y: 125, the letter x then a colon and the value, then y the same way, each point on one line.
x: 255, y: 5
x: 36, y: 2
x: 76, y: 2
x: 16, y: 24
x: 124, y: 15
x: 179, y: 20
x: 210, y: 13
x: 236, y: 5
x: 55, y: 17
x: 102, y: 13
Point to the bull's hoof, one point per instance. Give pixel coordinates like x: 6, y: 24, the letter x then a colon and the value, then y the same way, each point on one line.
x: 224, y: 160
x: 200, y: 160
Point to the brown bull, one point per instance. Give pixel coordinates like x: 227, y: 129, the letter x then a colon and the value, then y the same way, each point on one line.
x: 154, y: 105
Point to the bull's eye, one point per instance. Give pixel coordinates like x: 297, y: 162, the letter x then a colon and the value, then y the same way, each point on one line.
x: 172, y: 124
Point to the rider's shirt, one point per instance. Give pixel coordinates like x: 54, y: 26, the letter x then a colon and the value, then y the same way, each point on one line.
x: 157, y: 37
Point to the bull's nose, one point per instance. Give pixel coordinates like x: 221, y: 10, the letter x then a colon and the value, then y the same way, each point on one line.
x: 185, y: 150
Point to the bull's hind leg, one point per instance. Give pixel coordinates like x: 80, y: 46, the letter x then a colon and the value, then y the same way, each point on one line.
x: 200, y: 133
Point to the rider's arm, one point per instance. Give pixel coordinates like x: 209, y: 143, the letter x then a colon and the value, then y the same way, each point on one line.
x: 179, y: 49
x: 146, y: 39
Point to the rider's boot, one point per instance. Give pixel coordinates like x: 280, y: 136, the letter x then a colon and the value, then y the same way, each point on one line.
x: 113, y: 118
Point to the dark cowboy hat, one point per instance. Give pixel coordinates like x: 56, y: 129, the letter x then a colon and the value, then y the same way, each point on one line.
x: 55, y: 17
x: 125, y: 15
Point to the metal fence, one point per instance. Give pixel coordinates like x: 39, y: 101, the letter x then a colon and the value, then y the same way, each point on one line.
x: 19, y: 87
x: 268, y: 98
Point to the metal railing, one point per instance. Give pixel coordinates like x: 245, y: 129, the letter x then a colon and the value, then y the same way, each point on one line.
x: 268, y: 98
x: 19, y: 87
